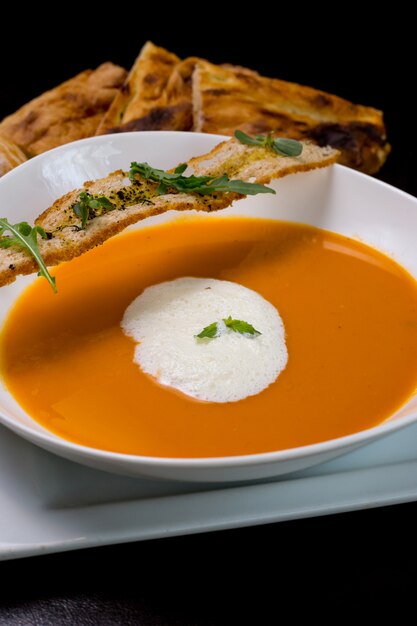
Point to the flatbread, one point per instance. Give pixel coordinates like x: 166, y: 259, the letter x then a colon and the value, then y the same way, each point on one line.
x: 10, y: 156
x: 226, y: 98
x: 142, y: 88
x: 71, y: 111
x: 173, y: 109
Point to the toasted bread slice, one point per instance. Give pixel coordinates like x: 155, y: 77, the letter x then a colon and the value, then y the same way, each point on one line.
x: 71, y: 111
x: 10, y: 156
x: 227, y: 97
x: 142, y: 88
x: 63, y: 226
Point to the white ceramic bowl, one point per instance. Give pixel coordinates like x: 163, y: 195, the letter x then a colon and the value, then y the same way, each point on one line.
x: 337, y: 199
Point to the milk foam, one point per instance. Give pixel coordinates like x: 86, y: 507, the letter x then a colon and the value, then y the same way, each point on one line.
x: 165, y: 318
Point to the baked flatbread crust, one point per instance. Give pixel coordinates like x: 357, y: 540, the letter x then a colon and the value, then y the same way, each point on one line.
x: 10, y: 156
x: 162, y: 92
x: 226, y: 98
x: 173, y: 109
x: 143, y: 87
x: 71, y: 111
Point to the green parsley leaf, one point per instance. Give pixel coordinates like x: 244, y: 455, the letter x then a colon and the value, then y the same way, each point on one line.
x: 246, y: 139
x: 88, y: 207
x: 82, y: 210
x: 26, y: 237
x: 101, y: 202
x: 209, y: 331
x: 287, y: 147
x: 280, y: 145
x: 237, y: 326
x: 202, y: 185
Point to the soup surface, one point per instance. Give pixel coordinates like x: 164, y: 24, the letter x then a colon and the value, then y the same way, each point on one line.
x: 350, y: 315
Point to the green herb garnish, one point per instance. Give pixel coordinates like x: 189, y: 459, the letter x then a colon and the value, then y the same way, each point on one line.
x: 210, y: 332
x: 280, y: 145
x: 202, y: 185
x: 238, y: 326
x: 25, y: 236
x: 88, y: 206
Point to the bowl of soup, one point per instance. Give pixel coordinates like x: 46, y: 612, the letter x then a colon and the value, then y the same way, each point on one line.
x: 265, y: 338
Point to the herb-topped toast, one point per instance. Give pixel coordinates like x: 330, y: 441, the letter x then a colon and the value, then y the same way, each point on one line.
x: 85, y: 218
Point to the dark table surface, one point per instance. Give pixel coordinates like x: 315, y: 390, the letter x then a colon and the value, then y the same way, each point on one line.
x: 336, y: 565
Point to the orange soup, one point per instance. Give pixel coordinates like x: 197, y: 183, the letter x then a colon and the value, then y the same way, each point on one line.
x: 350, y: 316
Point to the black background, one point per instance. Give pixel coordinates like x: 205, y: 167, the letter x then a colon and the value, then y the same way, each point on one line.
x: 332, y: 566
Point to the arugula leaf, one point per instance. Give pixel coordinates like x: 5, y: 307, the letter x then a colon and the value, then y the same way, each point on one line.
x: 25, y: 236
x: 281, y: 145
x: 238, y: 186
x: 238, y: 326
x: 202, y: 185
x: 88, y: 206
x: 161, y: 189
x: 210, y: 331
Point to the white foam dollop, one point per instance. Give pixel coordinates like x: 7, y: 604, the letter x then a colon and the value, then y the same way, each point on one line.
x: 165, y: 318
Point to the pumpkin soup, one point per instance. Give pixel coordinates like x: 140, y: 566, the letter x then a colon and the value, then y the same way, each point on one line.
x: 350, y: 318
